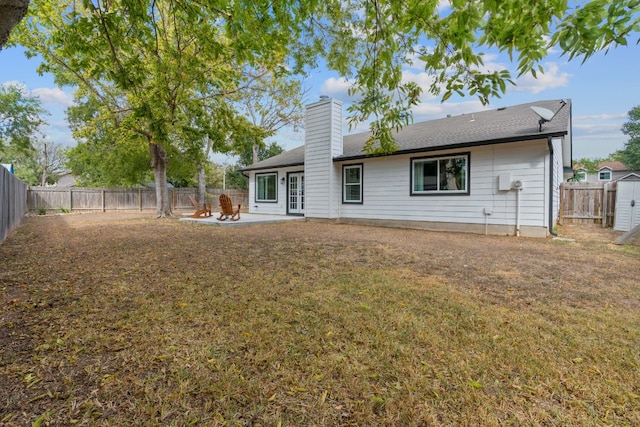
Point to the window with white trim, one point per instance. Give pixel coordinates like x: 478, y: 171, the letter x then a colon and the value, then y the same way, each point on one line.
x: 604, y: 175
x: 352, y: 183
x: 266, y: 187
x: 440, y: 175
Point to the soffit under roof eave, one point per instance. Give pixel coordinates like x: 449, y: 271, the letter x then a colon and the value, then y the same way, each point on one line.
x: 288, y: 165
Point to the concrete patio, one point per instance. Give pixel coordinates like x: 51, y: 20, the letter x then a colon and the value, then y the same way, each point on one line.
x: 245, y: 219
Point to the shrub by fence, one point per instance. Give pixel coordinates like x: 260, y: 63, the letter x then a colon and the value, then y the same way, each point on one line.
x: 591, y: 203
x: 13, y: 202
x: 76, y: 199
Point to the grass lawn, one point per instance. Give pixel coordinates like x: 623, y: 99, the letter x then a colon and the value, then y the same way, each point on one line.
x: 123, y: 320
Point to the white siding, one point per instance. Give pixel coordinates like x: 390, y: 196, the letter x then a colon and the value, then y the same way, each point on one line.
x: 386, y: 188
x: 323, y: 141
x: 558, y: 177
x: 278, y: 208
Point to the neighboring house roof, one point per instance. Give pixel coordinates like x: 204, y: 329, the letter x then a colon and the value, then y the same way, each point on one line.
x: 630, y: 177
x: 502, y: 125
x: 614, y: 166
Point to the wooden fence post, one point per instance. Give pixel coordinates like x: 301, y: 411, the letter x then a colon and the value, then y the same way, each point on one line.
x: 605, y: 208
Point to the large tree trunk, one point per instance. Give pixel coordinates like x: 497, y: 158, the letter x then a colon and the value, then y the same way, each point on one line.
x: 202, y: 185
x: 43, y: 178
x: 159, y: 163
x: 255, y: 150
x: 11, y: 12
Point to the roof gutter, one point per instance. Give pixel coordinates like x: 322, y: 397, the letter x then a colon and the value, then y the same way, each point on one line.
x: 551, y: 176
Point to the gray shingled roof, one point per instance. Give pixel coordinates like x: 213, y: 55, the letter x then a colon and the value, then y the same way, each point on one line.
x: 515, y: 123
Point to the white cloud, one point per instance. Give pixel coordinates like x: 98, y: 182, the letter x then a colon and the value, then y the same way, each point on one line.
x: 597, y: 128
x: 422, y: 79
x: 552, y: 78
x: 597, y: 135
x: 336, y: 88
x: 413, y: 61
x: 53, y: 96
x: 444, y: 5
x: 437, y: 110
x: 597, y: 145
x: 604, y: 126
x: 591, y: 118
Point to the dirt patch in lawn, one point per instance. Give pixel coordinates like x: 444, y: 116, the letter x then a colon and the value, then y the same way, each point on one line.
x: 122, y: 319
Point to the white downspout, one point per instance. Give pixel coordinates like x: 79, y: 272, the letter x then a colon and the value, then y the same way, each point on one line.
x: 518, y: 211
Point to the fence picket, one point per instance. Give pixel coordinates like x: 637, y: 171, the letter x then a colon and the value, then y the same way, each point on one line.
x: 13, y: 202
x: 588, y: 203
x: 78, y: 199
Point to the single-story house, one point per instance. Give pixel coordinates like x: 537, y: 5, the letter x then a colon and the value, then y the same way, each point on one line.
x: 497, y: 172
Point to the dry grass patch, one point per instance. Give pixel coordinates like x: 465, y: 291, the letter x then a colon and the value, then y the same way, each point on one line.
x: 112, y: 320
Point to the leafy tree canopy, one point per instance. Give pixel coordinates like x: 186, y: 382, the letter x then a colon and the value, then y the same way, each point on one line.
x: 591, y: 164
x: 159, y: 73
x: 101, y: 158
x: 630, y: 154
x: 365, y: 41
x: 153, y: 63
x: 20, y: 119
x: 264, y: 152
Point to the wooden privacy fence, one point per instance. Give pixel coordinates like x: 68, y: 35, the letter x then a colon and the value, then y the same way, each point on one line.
x: 590, y: 203
x: 76, y: 199
x: 13, y: 202
x: 238, y: 197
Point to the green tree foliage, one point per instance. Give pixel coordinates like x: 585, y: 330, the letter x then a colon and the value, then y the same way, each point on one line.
x: 100, y: 158
x: 21, y: 142
x: 43, y: 165
x: 264, y: 152
x: 590, y: 165
x: 373, y: 40
x: 271, y: 103
x: 156, y: 69
x: 630, y: 154
x: 20, y: 119
x: 165, y: 57
x: 235, y: 178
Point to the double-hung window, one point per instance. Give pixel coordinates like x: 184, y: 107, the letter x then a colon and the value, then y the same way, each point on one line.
x: 352, y: 183
x: 604, y: 175
x: 440, y: 175
x: 266, y: 187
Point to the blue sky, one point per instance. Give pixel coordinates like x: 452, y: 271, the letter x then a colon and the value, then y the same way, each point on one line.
x: 602, y: 90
